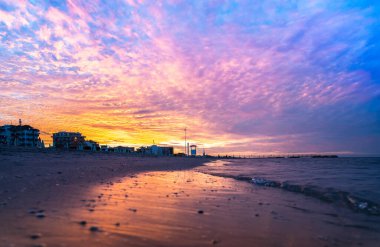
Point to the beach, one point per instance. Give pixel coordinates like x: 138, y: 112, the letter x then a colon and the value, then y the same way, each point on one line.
x: 95, y: 199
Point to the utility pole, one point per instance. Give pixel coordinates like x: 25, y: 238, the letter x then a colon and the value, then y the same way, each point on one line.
x: 185, y: 142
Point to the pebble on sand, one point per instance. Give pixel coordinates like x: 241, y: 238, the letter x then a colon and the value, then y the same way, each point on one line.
x: 94, y: 229
x: 39, y: 245
x: 83, y: 222
x: 40, y: 215
x: 31, y: 211
x: 215, y: 241
x: 35, y: 236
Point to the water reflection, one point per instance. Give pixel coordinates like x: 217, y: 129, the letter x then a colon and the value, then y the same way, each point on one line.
x: 157, y: 206
x: 188, y: 208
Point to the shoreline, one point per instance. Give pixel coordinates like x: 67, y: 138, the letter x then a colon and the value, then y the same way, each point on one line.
x: 337, y: 197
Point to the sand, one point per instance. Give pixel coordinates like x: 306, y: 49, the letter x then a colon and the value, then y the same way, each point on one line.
x: 87, y: 199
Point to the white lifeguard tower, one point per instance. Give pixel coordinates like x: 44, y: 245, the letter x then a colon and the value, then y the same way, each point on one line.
x: 193, y: 150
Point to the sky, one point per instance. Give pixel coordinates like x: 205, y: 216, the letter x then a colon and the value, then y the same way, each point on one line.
x: 243, y: 76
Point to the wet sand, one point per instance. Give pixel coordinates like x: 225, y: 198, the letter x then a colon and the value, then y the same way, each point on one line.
x: 111, y: 200
x: 57, y: 182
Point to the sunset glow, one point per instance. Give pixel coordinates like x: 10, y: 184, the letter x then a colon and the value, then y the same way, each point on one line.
x: 242, y: 76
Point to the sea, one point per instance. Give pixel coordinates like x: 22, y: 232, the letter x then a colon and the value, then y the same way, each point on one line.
x: 349, y: 182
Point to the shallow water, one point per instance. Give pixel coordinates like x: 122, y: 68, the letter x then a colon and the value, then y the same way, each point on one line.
x: 162, y: 209
x: 355, y: 181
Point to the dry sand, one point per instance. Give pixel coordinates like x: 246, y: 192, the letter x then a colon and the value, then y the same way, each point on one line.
x: 130, y: 201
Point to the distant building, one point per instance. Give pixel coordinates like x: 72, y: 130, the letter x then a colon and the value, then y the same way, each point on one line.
x: 20, y: 136
x: 91, y: 146
x: 150, y: 150
x: 167, y: 151
x: 156, y: 150
x: 142, y: 150
x: 68, y: 140
x: 121, y: 149
x: 118, y: 149
x: 6, y: 137
x: 106, y: 148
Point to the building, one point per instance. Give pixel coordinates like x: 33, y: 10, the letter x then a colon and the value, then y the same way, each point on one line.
x: 104, y: 148
x: 167, y: 151
x: 90, y: 146
x: 6, y: 135
x: 68, y: 140
x: 142, y: 150
x: 20, y: 136
x: 150, y: 150
x: 121, y: 149
x: 156, y: 150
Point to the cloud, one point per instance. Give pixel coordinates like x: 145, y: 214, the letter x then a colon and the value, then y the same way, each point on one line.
x: 303, y: 75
